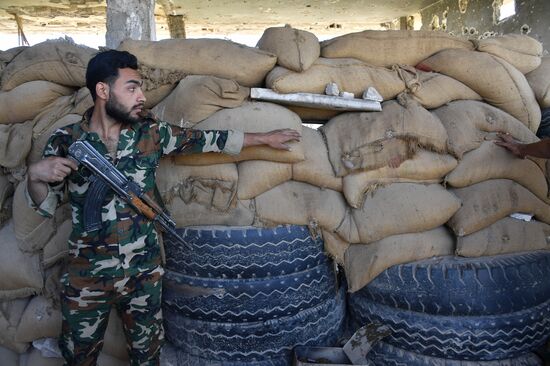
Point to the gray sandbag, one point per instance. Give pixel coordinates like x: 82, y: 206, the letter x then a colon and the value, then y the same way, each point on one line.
x: 10, y: 315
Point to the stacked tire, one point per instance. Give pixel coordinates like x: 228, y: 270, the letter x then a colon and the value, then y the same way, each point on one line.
x: 248, y: 296
x: 459, y: 311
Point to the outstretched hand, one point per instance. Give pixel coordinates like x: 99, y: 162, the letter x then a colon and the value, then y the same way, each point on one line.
x: 277, y: 139
x: 510, y: 144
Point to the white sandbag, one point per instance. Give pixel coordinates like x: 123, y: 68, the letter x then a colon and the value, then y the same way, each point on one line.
x: 468, y: 124
x: 539, y: 80
x: 424, y: 167
x: 490, y: 161
x: 403, y: 208
x: 197, y: 97
x: 225, y: 59
x: 40, y: 320
x: 250, y: 117
x: 363, y: 141
x: 520, y: 50
x: 363, y: 262
x: 295, y: 49
x: 499, y: 83
x: 389, y: 47
x: 507, y: 235
x: 9, y: 357
x: 487, y: 202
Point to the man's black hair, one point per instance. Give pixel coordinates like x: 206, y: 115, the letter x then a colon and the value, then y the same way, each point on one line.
x: 103, y: 67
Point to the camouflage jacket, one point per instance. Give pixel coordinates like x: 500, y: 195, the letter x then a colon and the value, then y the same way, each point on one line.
x: 127, y: 243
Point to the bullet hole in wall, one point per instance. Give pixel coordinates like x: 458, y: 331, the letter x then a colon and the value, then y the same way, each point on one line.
x: 434, y: 24
x: 462, y: 6
x: 525, y: 29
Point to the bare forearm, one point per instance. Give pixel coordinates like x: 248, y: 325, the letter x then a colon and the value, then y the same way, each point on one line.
x: 539, y: 149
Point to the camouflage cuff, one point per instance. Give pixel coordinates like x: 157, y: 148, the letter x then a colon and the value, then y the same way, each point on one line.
x: 234, y: 143
x: 47, y: 207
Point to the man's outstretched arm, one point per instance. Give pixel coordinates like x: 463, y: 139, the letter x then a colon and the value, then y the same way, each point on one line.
x: 540, y: 149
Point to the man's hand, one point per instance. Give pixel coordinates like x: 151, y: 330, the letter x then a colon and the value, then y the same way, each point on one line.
x: 277, y: 139
x: 52, y: 169
x: 510, y: 144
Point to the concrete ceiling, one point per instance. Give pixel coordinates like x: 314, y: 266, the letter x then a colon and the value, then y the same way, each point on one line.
x: 212, y: 17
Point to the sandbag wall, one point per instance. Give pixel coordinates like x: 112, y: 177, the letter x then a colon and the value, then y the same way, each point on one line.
x: 444, y: 100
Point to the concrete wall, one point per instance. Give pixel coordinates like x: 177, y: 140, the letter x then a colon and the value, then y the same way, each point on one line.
x: 476, y: 17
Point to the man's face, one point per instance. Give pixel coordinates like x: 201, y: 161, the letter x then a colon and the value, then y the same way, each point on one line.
x: 126, y: 99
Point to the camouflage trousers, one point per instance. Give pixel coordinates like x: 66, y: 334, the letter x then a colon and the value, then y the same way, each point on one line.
x: 86, y: 304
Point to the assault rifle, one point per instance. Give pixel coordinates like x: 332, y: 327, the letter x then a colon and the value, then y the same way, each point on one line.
x: 106, y: 176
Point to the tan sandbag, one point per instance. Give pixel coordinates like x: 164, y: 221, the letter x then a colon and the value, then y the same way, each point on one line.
x: 403, y: 208
x: 507, y: 235
x: 316, y: 168
x: 335, y: 246
x: 225, y: 59
x: 213, y: 186
x: 31, y: 229
x: 250, y: 117
x: 9, y: 54
x: 300, y: 203
x: 115, y: 341
x: 295, y: 49
x: 41, y: 138
x: 351, y: 75
x: 40, y: 320
x: 9, y: 357
x: 57, y: 247
x: 157, y: 95
x: 539, y: 80
x: 27, y: 100
x: 487, y: 202
x: 362, y: 141
x: 6, y: 199
x: 20, y: 273
x: 107, y: 360
x: 197, y: 97
x: 499, y: 83
x: 241, y: 213
x: 60, y: 61
x: 363, y: 262
x: 520, y: 50
x: 386, y: 48
x: 424, y: 167
x: 10, y: 315
x: 435, y: 90
x: 490, y: 161
x: 258, y: 176
x: 15, y: 143
x: 468, y: 124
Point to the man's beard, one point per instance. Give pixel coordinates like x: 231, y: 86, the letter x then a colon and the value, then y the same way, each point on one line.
x: 115, y: 110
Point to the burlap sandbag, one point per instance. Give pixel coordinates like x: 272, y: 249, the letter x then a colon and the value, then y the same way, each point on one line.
x: 20, y: 273
x: 316, y: 168
x: 28, y: 100
x: 197, y: 97
x: 335, y: 246
x: 41, y: 138
x: 250, y: 117
x: 539, y: 80
x: 60, y: 61
x: 57, y: 247
x: 258, y: 176
x: 6, y: 199
x: 241, y: 213
x: 363, y: 262
x: 403, y: 208
x: 469, y: 122
x: 368, y: 140
x: 487, y: 202
x: 9, y: 357
x: 10, y: 315
x: 507, y: 235
x: 8, y: 55
x: 424, y: 167
x: 498, y: 82
x: 212, y: 186
x: 435, y: 90
x: 351, y: 75
x: 225, y: 59
x: 295, y: 49
x: 490, y: 161
x: 520, y: 50
x: 300, y: 203
x: 41, y: 319
x: 15, y: 143
x: 385, y: 48
x: 31, y: 229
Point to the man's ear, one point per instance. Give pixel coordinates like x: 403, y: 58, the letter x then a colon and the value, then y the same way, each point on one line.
x: 102, y: 90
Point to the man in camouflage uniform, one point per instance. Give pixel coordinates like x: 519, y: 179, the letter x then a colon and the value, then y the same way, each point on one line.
x: 120, y: 264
